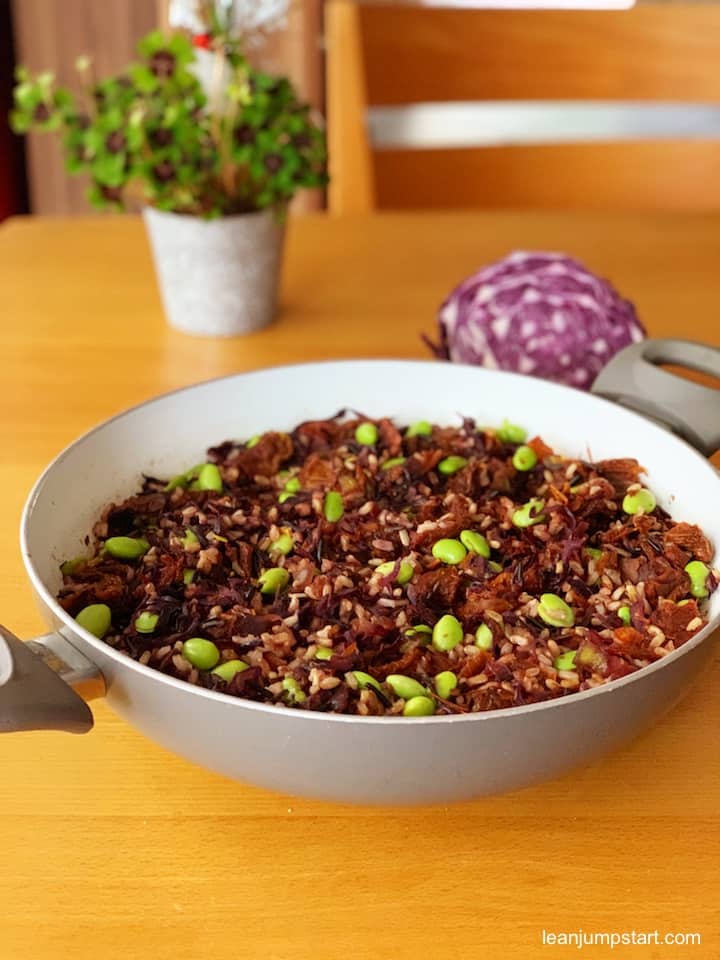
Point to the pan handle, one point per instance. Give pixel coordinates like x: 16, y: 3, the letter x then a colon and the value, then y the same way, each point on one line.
x: 635, y: 379
x: 44, y: 684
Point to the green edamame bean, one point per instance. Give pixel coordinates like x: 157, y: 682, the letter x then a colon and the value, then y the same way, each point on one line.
x: 447, y: 633
x: 188, y: 576
x: 419, y: 707
x: 323, y: 653
x: 405, y: 687
x: 494, y: 566
x: 554, y: 611
x: 524, y: 459
x: 201, y: 653
x: 285, y: 495
x: 529, y: 514
x: 190, y: 539
x: 642, y: 501
x: 146, y: 622
x: 392, y: 462
x: 253, y: 441
x: 445, y: 683
x: 272, y: 581
x: 366, y: 434
x: 283, y: 545
x: 451, y: 465
x: 209, y: 478
x: 566, y: 661
x: 364, y: 680
x: 333, y: 506
x: 72, y: 566
x: 510, y: 432
x: 624, y: 614
x: 698, y: 573
x: 293, y: 485
x: 182, y: 479
x: 226, y: 671
x: 422, y: 428
x: 95, y: 618
x: 293, y: 689
x: 593, y: 552
x: 475, y: 543
x: 589, y: 656
x: 484, y: 637
x: 405, y: 574
x: 449, y: 551
x: 421, y: 633
x: 126, y: 548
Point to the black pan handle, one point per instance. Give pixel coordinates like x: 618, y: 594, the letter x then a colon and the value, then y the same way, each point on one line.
x: 635, y: 379
x: 38, y: 684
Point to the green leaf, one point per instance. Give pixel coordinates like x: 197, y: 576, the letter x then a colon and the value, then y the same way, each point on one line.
x: 45, y: 80
x: 113, y: 119
x: 94, y: 139
x: 181, y: 48
x: 171, y: 114
x: 53, y: 122
x: 109, y: 170
x: 165, y: 203
x: 143, y: 78
x: 27, y: 95
x: 134, y: 137
x: 74, y: 164
x: 136, y: 118
x: 151, y: 43
x: 98, y: 199
x: 19, y: 122
x: 64, y: 99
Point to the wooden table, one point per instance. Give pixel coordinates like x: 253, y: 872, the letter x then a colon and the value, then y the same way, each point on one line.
x: 111, y: 848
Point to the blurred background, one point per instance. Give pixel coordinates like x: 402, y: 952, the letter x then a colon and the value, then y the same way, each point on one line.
x: 433, y: 106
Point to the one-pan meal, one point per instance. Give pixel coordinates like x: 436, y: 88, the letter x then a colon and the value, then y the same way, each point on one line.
x: 355, y: 566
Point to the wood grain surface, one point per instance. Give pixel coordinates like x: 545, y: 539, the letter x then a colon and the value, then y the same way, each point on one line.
x: 111, y: 848
x: 652, y: 52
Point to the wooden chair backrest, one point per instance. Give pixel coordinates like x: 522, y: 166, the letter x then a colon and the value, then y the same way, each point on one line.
x: 380, y: 55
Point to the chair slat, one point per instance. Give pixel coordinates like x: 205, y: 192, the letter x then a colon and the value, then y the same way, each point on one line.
x: 652, y: 52
x: 649, y: 175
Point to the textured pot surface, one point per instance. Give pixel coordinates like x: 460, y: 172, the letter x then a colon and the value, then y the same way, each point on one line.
x: 217, y: 278
x: 380, y: 760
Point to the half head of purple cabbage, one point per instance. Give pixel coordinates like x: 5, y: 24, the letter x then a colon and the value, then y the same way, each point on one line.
x: 543, y: 314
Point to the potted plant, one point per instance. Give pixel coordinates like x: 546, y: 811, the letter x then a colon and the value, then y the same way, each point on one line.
x: 212, y: 151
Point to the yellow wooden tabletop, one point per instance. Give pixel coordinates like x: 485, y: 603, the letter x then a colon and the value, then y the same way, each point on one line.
x: 112, y: 848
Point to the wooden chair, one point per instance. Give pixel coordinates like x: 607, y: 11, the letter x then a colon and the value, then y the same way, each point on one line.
x: 381, y: 56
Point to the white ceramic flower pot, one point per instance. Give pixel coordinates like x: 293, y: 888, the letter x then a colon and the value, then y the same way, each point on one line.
x: 217, y: 278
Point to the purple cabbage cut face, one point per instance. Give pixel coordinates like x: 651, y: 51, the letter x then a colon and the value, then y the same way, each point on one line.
x: 542, y: 314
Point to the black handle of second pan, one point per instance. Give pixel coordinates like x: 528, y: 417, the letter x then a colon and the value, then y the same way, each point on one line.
x: 636, y: 379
